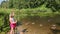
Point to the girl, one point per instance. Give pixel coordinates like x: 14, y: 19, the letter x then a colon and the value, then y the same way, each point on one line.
x: 12, y: 22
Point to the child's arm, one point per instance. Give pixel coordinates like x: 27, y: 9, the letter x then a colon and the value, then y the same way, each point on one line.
x: 16, y: 21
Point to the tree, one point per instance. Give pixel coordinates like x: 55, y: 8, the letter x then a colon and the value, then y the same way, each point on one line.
x: 4, y: 4
x: 19, y: 4
x: 53, y: 4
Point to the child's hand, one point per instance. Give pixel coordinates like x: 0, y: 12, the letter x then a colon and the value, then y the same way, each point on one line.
x: 16, y: 21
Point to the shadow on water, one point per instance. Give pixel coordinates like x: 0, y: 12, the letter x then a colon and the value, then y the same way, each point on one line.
x: 19, y: 23
x: 55, y: 31
x: 58, y: 24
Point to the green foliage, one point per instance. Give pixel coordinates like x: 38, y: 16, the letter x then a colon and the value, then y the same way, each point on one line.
x: 19, y: 4
x: 54, y: 5
x: 4, y: 25
x: 33, y: 3
x: 41, y: 11
x: 25, y: 3
x: 4, y: 4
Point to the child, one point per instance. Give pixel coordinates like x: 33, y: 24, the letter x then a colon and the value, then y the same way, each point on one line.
x: 12, y: 22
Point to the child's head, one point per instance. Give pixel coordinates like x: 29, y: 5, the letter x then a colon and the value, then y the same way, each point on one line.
x: 12, y: 14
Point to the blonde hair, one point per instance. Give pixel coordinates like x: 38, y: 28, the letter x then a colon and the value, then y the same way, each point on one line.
x: 11, y: 14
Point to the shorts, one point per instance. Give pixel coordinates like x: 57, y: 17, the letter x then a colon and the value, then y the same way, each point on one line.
x: 12, y: 25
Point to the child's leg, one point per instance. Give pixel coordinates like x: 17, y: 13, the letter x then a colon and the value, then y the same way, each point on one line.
x: 21, y: 32
x: 12, y: 31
